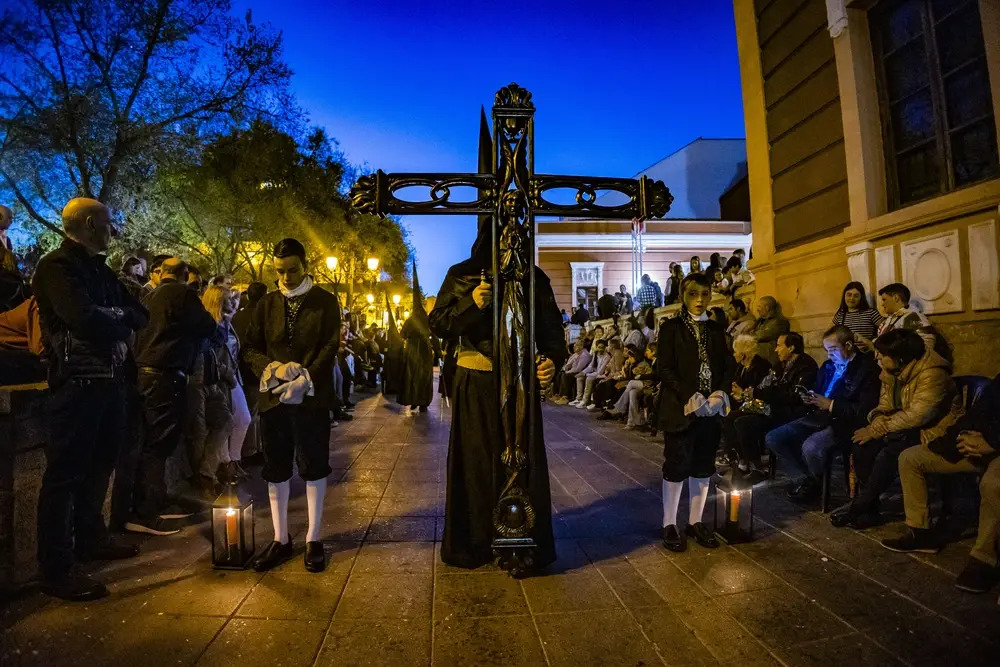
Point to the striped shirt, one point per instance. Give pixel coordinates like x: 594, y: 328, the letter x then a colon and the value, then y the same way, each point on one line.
x: 864, y: 323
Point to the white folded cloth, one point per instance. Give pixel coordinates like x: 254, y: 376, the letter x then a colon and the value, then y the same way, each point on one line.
x: 290, y: 381
x: 717, y: 404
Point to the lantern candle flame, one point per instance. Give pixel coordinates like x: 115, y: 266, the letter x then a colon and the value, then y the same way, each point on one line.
x: 734, y: 506
x: 232, y: 528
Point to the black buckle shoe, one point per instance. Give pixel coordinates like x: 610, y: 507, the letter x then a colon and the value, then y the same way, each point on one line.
x: 274, y: 555
x: 702, y: 535
x: 315, y: 558
x: 74, y: 586
x: 673, y: 540
x: 807, y: 492
x: 977, y: 577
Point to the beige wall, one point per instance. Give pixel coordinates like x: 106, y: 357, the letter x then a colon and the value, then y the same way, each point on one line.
x: 952, y: 239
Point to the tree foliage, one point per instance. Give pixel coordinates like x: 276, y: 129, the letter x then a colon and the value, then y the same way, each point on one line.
x: 95, y: 95
x: 250, y: 189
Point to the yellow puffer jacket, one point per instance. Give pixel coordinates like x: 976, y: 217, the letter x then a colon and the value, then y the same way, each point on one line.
x: 928, y: 397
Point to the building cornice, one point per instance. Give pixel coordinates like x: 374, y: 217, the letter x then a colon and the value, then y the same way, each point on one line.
x: 650, y: 241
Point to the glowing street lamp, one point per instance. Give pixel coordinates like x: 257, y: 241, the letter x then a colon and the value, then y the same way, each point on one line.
x: 406, y: 314
x: 396, y: 299
x: 331, y: 263
x: 370, y: 298
x: 373, y: 263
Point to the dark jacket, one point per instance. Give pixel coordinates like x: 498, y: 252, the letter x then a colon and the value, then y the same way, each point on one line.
x: 749, y: 378
x: 677, y: 358
x: 178, y: 323
x: 781, y: 395
x: 854, y: 395
x: 315, y: 344
x: 76, y: 292
x: 580, y: 316
x: 606, y: 307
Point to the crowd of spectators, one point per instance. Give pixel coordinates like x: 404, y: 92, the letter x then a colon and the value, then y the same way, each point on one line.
x: 883, y: 401
x: 147, y: 379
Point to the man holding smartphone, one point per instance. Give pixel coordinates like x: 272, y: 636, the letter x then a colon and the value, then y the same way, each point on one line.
x: 847, y: 389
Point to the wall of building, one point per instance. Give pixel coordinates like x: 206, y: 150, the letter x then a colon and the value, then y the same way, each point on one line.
x: 945, y: 249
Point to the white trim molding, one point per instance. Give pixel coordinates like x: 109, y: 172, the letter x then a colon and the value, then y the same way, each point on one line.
x: 651, y: 241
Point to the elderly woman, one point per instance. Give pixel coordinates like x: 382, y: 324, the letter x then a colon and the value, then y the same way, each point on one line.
x: 751, y: 368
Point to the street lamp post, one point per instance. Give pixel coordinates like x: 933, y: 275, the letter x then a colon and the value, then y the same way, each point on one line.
x: 395, y: 301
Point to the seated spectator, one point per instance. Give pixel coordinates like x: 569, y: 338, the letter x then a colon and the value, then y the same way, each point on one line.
x: 585, y: 380
x: 856, y: 314
x: 970, y: 445
x: 576, y: 364
x: 846, y: 390
x: 603, y: 385
x: 598, y: 333
x: 915, y: 406
x: 751, y: 368
x: 695, y: 265
x: 632, y: 334
x: 719, y: 282
x: 648, y: 319
x: 895, y: 301
x: 714, y: 264
x: 718, y: 314
x: 770, y: 325
x: 740, y: 321
x: 21, y: 329
x: 777, y: 403
x: 639, y: 376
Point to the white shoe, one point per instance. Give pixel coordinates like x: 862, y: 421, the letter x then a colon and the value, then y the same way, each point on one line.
x: 581, y: 405
x: 592, y: 406
x: 574, y: 403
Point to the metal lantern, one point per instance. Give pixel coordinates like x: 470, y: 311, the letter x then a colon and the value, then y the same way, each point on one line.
x: 232, y: 530
x: 733, y: 510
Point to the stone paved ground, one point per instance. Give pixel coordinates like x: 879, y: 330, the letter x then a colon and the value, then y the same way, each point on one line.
x: 803, y: 593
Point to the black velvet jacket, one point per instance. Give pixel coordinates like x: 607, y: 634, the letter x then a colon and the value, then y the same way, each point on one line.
x: 315, y: 344
x: 677, y: 358
x: 456, y: 315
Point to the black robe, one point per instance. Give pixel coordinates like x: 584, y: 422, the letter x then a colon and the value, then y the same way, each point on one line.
x: 449, y: 364
x: 392, y: 364
x: 416, y: 387
x: 475, y: 473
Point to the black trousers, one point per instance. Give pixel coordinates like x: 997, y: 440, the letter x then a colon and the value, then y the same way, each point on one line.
x: 165, y: 405
x: 86, y: 423
x: 691, y: 452
x: 876, y: 464
x: 299, y: 434
x: 745, y: 431
x: 126, y: 466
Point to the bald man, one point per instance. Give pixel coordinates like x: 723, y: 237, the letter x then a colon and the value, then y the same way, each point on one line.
x: 86, y: 315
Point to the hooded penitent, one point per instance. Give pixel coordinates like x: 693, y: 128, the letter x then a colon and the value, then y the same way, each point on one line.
x: 475, y: 473
x: 393, y: 367
x: 417, y: 382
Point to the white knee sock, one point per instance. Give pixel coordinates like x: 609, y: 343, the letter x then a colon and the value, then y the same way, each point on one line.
x: 697, y: 496
x: 671, y: 499
x: 315, y: 492
x: 278, y: 495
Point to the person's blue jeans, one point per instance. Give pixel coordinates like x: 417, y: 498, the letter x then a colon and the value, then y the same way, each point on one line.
x: 802, y: 446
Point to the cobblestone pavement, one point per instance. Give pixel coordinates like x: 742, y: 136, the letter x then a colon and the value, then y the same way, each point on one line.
x: 802, y: 593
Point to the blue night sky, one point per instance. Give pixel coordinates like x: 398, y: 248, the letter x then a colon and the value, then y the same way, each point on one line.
x: 617, y: 85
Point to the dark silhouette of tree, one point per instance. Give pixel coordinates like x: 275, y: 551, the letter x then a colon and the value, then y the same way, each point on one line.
x: 95, y: 95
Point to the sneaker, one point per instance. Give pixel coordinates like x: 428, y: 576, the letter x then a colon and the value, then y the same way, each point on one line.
x: 573, y: 403
x: 175, y: 512
x: 74, y: 586
x: 581, y: 405
x: 592, y: 406
x: 977, y: 577
x: 334, y: 424
x: 155, y: 526
x: 915, y: 539
x: 630, y: 427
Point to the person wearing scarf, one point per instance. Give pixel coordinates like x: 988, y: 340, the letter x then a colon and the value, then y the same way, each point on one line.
x: 696, y: 370
x: 292, y: 345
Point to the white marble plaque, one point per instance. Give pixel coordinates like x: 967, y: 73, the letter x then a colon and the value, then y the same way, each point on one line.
x: 932, y: 269
x: 983, y: 266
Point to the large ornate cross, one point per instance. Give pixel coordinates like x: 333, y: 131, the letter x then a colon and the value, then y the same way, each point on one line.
x: 512, y: 194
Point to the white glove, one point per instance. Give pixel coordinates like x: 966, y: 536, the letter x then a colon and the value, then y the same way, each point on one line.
x: 292, y: 393
x: 716, y: 404
x: 276, y: 373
